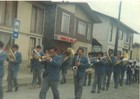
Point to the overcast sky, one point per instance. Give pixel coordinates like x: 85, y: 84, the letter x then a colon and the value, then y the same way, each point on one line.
x: 130, y: 12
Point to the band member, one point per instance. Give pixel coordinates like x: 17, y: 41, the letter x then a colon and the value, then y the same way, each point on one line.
x: 51, y: 74
x: 136, y: 71
x: 88, y: 71
x: 124, y: 63
x: 3, y: 56
x: 37, y: 66
x: 110, y: 60
x: 81, y: 62
x: 129, y: 73
x: 13, y: 68
x: 99, y: 71
x: 66, y: 62
x: 64, y: 66
x: 117, y: 70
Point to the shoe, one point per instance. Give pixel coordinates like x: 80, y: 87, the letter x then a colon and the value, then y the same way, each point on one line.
x: 116, y: 87
x: 16, y: 89
x: 9, y: 91
x: 92, y: 91
x: 103, y: 88
x: 62, y: 82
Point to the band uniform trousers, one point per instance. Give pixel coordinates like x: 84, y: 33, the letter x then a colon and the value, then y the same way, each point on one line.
x: 12, y: 79
x: 78, y: 84
x: 46, y: 84
x: 1, y: 89
x: 97, y: 81
x: 36, y: 75
x: 107, y: 76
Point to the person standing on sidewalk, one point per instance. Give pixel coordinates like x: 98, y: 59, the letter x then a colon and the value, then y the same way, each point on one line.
x: 3, y: 56
x: 51, y: 74
x: 81, y: 62
x: 37, y: 65
x: 13, y: 68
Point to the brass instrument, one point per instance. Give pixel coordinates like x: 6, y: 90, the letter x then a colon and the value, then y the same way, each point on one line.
x: 125, y: 58
x: 108, y: 59
x: 75, y: 68
x: 11, y: 55
x: 70, y: 51
x: 37, y: 56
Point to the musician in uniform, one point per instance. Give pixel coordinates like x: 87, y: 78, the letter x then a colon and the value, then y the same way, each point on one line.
x: 117, y: 70
x: 13, y: 68
x: 123, y: 64
x: 81, y: 62
x: 51, y: 74
x: 3, y: 56
x: 66, y: 61
x: 37, y: 66
x: 109, y: 61
x: 99, y: 71
x: 88, y: 70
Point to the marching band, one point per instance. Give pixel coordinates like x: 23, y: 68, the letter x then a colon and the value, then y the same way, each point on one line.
x: 103, y: 67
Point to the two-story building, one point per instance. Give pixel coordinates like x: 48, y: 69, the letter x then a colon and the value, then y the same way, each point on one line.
x: 105, y: 33
x: 69, y: 25
x: 31, y: 16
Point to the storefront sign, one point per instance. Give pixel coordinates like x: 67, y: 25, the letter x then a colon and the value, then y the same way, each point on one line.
x: 66, y: 39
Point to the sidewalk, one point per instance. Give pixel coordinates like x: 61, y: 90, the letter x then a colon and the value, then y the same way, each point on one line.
x: 25, y: 77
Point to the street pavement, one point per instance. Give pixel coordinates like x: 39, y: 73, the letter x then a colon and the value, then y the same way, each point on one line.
x: 67, y: 90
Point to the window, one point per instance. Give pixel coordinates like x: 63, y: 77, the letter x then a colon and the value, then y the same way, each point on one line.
x: 120, y: 34
x: 111, y: 33
x: 74, y: 26
x: 7, y: 12
x: 37, y: 20
x: 81, y: 28
x: 89, y: 31
x: 65, y: 23
x: 126, y: 36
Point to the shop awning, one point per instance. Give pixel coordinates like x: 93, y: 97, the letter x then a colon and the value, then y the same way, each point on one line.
x: 96, y: 43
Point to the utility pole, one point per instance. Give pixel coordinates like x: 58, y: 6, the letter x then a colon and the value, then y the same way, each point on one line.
x: 117, y: 31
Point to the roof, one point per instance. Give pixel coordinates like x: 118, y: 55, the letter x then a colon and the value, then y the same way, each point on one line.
x: 122, y: 25
x: 84, y: 6
x: 136, y: 45
x: 95, y: 42
x: 89, y: 11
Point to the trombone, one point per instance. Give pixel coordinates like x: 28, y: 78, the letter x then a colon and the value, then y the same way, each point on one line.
x: 37, y: 56
x: 11, y: 55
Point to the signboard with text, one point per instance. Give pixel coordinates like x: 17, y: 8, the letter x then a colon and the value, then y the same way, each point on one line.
x: 16, y: 26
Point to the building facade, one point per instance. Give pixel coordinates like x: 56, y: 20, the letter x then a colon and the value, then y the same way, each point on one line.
x: 105, y: 33
x: 69, y: 25
x: 136, y: 51
x: 31, y: 17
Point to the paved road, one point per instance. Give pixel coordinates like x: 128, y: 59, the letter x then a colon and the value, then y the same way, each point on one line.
x: 66, y: 92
